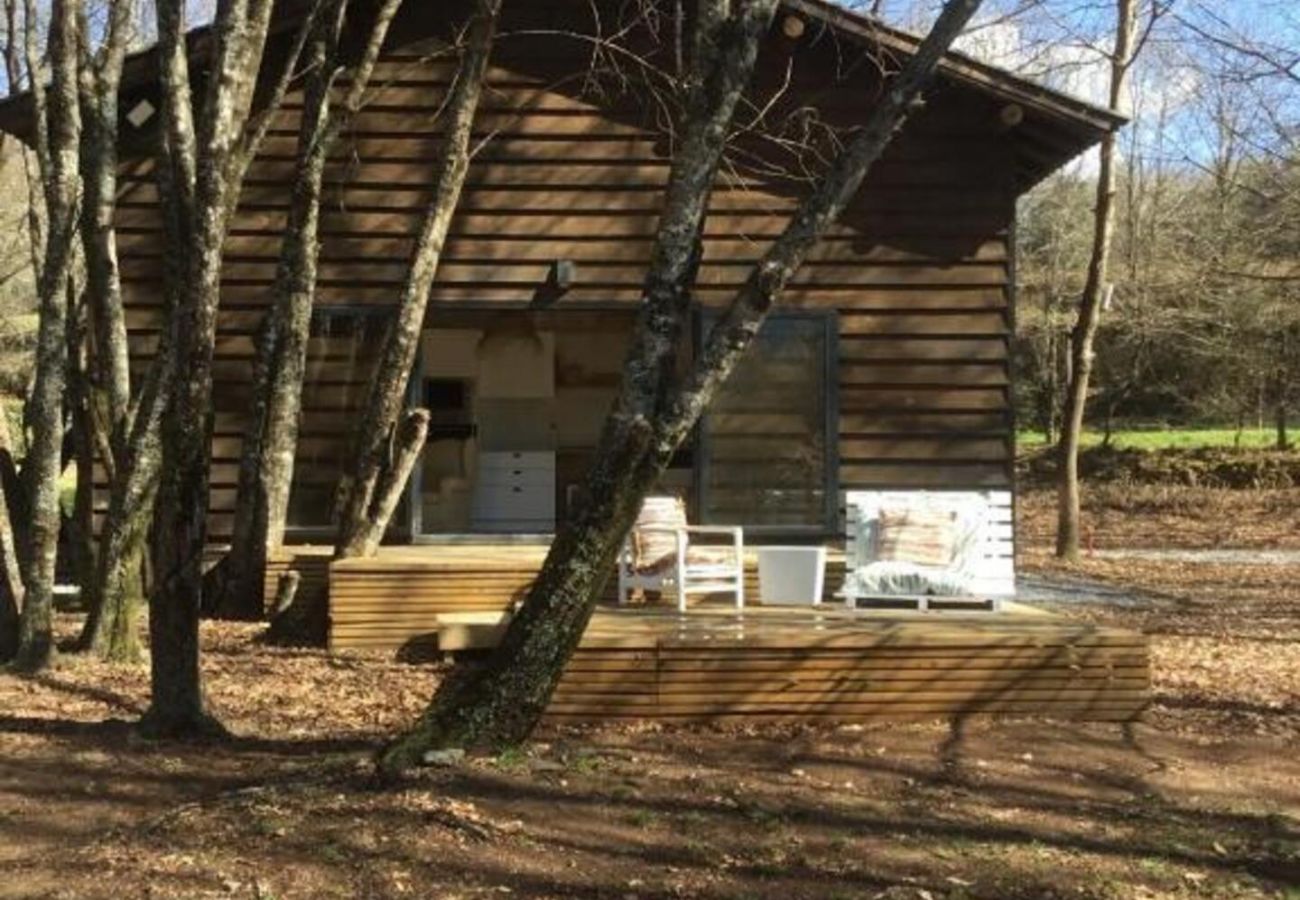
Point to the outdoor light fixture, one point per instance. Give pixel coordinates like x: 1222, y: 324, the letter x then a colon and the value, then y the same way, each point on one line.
x: 563, y: 273
x: 141, y: 113
x: 560, y: 276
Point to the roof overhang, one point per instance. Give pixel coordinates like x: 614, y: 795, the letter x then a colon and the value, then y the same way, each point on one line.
x: 1056, y: 127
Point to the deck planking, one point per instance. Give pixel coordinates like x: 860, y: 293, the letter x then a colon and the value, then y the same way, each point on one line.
x: 833, y: 665
x: 795, y: 664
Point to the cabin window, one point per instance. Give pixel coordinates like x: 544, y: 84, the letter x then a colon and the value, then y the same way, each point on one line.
x: 341, y: 357
x: 767, y: 455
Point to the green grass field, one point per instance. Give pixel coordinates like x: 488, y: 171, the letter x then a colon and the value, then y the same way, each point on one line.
x: 1182, y: 439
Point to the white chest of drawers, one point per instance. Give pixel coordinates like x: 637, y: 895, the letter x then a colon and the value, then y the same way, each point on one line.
x: 515, y: 492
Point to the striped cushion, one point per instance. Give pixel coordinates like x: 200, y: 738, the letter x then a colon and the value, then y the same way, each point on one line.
x: 925, y: 537
x: 656, y: 549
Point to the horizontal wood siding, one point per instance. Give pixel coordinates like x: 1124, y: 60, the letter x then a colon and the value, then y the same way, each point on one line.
x: 917, y: 270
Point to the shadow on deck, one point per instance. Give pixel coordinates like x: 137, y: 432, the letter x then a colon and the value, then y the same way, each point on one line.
x: 823, y: 663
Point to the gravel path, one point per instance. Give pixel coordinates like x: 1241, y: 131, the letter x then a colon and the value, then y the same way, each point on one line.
x: 1058, y: 589
x: 1035, y: 588
x: 1229, y: 557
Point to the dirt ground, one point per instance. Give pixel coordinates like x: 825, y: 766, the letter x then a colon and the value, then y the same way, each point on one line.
x: 1201, y: 800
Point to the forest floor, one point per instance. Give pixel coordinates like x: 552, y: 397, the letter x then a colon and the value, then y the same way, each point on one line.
x: 1200, y: 800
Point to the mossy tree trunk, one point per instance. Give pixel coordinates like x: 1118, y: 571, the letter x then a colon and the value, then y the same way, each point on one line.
x: 58, y: 123
x: 200, y: 173
x: 1084, y: 333
x: 79, y: 527
x: 12, y: 501
x: 389, y: 437
x: 234, y: 586
x: 114, y: 603
x: 500, y: 703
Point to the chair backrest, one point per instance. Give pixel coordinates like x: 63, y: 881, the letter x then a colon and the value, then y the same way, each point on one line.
x: 654, y: 548
x: 986, y: 556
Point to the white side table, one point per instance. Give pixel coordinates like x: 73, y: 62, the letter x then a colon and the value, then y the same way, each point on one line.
x: 791, y: 575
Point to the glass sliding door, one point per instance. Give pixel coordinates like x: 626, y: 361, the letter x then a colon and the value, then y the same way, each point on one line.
x: 767, y: 455
x: 341, y: 358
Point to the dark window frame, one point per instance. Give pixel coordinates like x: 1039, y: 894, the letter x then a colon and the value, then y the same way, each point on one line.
x: 829, y: 525
x: 329, y: 532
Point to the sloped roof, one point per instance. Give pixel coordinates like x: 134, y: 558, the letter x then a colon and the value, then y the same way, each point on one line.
x: 1056, y: 126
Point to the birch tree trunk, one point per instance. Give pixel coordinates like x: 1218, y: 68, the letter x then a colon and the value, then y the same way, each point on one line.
x: 1090, y: 302
x: 500, y: 703
x: 388, y: 438
x: 234, y: 586
x: 58, y: 121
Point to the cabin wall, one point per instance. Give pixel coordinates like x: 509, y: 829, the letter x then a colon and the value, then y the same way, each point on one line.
x: 918, y: 272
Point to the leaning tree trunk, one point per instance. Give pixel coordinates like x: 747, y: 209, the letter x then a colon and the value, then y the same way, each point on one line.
x: 234, y: 586
x: 60, y: 121
x: 1090, y: 303
x: 500, y: 703
x: 388, y: 438
x: 11, y: 581
x: 13, y: 516
x: 132, y: 487
x: 110, y: 629
x: 11, y: 587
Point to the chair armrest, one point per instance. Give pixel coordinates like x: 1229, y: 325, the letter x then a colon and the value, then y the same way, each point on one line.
x: 714, y: 529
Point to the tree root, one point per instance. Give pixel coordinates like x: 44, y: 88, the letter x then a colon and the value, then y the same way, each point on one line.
x: 155, y: 725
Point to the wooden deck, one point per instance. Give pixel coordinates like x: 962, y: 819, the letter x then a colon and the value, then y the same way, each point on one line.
x: 822, y: 663
x: 833, y: 664
x: 390, y: 600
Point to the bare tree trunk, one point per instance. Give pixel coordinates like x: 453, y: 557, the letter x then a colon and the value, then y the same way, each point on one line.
x: 114, y: 602
x: 1090, y: 303
x: 101, y: 77
x: 11, y: 581
x: 22, y: 42
x: 500, y: 703
x: 372, y: 482
x: 58, y: 119
x: 11, y: 587
x: 1280, y: 411
x: 81, y: 526
x: 234, y: 586
x: 200, y: 175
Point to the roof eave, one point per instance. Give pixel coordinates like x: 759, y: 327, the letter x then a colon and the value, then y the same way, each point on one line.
x: 964, y: 68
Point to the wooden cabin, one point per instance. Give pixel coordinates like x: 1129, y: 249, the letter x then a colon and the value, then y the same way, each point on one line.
x: 885, y: 366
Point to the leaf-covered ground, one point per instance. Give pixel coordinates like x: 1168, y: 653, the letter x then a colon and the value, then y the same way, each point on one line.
x: 1202, y: 800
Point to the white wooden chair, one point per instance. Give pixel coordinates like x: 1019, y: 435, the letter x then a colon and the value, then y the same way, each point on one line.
x: 659, y: 555
x: 979, y: 573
